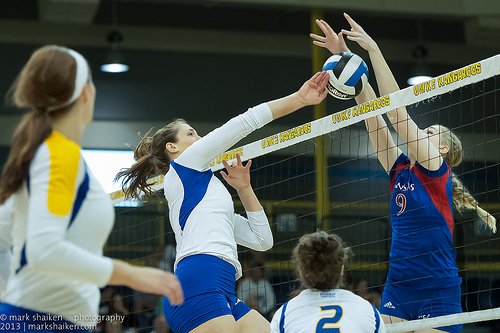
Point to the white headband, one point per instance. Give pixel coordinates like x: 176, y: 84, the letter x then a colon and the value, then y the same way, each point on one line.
x: 81, y: 77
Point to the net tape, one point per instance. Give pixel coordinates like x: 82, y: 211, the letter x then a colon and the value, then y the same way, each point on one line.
x: 453, y: 319
x: 439, y: 85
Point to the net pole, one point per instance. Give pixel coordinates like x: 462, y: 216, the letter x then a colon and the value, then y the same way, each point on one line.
x: 320, y: 158
x: 454, y: 319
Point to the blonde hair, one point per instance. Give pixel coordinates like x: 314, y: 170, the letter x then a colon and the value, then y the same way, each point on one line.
x: 462, y: 198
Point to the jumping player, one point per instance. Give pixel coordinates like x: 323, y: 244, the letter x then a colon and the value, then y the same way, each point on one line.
x: 423, y: 279
x: 202, y: 215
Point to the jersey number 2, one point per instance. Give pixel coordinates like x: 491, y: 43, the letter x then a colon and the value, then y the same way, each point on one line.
x: 325, y: 324
x: 401, y: 203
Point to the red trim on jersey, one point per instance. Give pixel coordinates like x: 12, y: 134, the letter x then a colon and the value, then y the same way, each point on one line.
x: 435, y: 183
x: 401, y: 163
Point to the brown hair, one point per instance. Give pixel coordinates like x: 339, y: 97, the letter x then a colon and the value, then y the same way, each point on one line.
x: 462, y: 198
x: 45, y: 81
x: 319, y: 258
x: 151, y: 159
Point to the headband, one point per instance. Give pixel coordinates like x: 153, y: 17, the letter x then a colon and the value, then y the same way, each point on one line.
x: 82, y: 76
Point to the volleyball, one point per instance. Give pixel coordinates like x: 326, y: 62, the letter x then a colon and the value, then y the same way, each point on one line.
x: 348, y: 75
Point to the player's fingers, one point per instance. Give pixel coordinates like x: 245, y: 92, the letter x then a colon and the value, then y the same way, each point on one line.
x: 249, y: 163
x: 324, y: 80
x: 224, y: 175
x: 351, y: 33
x: 352, y: 23
x: 323, y: 94
x: 238, y: 159
x: 177, y: 291
x: 225, y: 164
x: 319, y: 43
x: 315, y: 76
x: 323, y: 27
x: 328, y: 27
x: 356, y: 39
x: 173, y: 288
x: 317, y: 37
x: 172, y: 297
x: 317, y: 81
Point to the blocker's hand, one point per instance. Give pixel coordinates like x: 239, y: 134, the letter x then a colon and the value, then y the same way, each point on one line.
x: 332, y: 41
x: 359, y: 35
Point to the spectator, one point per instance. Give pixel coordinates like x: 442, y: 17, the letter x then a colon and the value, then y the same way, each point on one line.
x: 256, y: 291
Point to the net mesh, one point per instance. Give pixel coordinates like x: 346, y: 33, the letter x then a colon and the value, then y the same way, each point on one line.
x: 357, y: 187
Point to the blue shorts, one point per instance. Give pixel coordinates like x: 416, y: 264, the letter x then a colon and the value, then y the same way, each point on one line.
x: 411, y: 304
x: 17, y: 319
x: 209, y: 287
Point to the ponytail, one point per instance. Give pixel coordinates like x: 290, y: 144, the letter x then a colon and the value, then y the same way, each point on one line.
x: 151, y: 159
x: 34, y: 128
x: 463, y: 200
x: 46, y: 80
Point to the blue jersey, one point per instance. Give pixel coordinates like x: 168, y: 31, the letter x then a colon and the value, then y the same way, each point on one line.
x: 422, y: 254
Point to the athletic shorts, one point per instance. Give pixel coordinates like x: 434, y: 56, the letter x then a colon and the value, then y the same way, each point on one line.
x: 411, y: 304
x: 209, y: 287
x: 17, y: 319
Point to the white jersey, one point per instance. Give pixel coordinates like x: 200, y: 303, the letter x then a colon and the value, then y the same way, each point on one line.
x: 201, y: 208
x: 60, y: 220
x: 319, y: 311
x: 6, y: 215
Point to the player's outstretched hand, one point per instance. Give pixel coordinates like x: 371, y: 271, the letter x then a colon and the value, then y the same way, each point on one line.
x: 313, y: 90
x: 238, y: 175
x: 332, y: 41
x: 156, y: 281
x: 358, y: 35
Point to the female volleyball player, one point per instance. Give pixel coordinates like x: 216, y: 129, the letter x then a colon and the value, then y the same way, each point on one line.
x: 5, y: 242
x: 202, y: 214
x: 60, y: 216
x: 322, y: 306
x: 423, y: 279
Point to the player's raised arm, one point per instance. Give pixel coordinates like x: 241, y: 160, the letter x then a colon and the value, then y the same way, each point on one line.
x: 417, y: 140
x: 200, y: 153
x: 379, y: 134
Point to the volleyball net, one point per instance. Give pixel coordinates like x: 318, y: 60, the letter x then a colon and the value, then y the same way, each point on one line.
x: 354, y: 200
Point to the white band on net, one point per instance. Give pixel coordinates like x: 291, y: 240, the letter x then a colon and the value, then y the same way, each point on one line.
x: 439, y: 85
x: 454, y: 319
x: 81, y: 77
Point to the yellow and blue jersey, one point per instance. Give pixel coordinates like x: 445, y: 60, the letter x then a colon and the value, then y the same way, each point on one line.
x: 60, y: 221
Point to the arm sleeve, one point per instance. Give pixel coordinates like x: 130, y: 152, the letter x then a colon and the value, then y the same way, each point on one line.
x: 200, y: 153
x: 275, y: 322
x: 6, y: 219
x: 253, y: 232
x: 53, y: 179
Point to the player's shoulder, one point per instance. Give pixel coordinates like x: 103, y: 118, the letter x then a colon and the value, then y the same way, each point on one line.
x: 57, y: 150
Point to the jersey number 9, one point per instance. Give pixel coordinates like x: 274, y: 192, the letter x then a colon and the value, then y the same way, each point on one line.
x: 401, y: 203
x: 327, y: 325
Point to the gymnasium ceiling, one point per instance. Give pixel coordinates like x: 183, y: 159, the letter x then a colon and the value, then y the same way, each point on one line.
x: 455, y: 32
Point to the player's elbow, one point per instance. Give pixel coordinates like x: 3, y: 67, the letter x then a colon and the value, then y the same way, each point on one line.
x: 266, y: 243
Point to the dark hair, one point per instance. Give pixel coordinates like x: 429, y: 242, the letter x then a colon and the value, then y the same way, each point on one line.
x: 319, y: 258
x: 46, y: 80
x: 151, y: 159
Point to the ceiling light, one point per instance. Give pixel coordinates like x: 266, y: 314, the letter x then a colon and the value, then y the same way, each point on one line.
x: 114, y: 62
